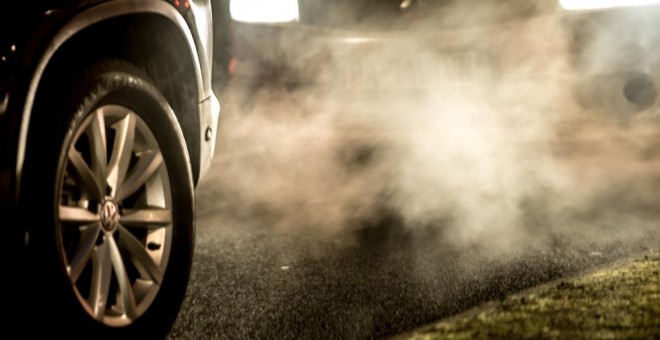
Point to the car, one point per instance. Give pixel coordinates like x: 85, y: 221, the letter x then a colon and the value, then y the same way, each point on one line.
x: 107, y: 123
x: 392, y: 46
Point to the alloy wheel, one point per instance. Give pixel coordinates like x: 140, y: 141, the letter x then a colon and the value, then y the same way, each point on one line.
x: 115, y: 215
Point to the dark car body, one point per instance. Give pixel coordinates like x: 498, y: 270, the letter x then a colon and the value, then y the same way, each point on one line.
x: 171, y: 41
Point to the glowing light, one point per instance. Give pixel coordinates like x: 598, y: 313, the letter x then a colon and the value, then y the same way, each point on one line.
x: 265, y: 11
x: 358, y: 40
x: 231, y: 68
x: 577, y: 5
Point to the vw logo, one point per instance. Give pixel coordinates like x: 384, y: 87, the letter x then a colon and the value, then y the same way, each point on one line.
x: 109, y: 215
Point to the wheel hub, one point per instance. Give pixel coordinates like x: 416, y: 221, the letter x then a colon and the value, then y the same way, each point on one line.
x: 109, y: 215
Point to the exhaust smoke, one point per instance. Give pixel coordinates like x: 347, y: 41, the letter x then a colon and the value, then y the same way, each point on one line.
x: 505, y: 160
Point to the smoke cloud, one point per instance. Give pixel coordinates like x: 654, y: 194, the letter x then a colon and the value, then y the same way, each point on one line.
x: 474, y: 132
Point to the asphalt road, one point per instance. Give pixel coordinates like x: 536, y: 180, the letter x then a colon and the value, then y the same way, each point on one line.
x: 258, y: 273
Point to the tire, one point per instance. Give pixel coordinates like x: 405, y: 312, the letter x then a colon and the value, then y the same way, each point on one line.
x: 111, y: 224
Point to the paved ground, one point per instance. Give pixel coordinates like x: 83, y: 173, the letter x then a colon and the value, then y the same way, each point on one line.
x: 249, y: 282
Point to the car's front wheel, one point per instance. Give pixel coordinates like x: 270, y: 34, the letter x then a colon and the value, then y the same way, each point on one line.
x: 110, y: 186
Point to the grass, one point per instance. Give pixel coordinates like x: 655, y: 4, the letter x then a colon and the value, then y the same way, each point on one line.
x: 620, y: 302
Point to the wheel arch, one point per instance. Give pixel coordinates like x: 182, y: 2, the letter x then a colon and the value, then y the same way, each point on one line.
x: 125, y: 30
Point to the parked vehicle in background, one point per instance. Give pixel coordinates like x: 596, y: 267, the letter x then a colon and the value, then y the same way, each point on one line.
x: 107, y: 123
x: 389, y: 46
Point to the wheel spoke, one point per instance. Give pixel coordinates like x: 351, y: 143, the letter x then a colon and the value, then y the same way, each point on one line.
x: 77, y: 215
x: 147, y: 218
x: 83, y: 175
x: 121, y: 152
x: 139, y: 255
x: 141, y: 172
x: 101, y: 277
x: 98, y: 147
x: 88, y: 237
x: 126, y: 297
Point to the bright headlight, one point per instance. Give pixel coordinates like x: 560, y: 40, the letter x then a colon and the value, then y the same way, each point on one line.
x: 266, y: 11
x: 576, y: 5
